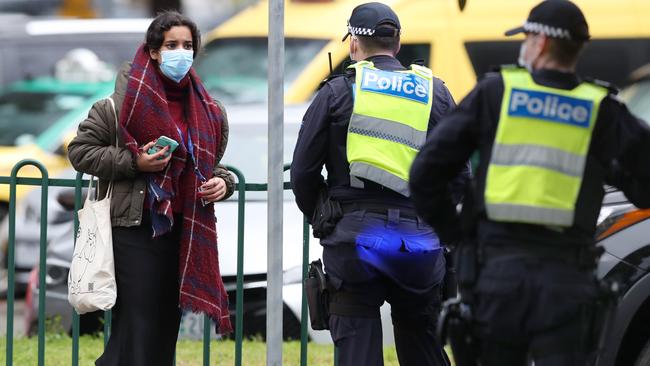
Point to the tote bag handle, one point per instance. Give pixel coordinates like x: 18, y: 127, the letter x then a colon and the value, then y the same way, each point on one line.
x: 109, y: 192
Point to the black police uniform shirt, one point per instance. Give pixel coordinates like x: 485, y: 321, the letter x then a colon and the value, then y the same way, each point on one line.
x: 322, y: 141
x: 472, y: 127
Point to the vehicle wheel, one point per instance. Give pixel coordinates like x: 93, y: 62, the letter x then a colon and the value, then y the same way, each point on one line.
x: 290, y: 325
x: 644, y: 356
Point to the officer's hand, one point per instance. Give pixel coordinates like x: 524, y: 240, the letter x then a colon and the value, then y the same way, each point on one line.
x: 152, y: 163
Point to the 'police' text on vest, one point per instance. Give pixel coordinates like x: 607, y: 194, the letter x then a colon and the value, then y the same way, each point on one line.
x: 397, y: 84
x: 550, y: 107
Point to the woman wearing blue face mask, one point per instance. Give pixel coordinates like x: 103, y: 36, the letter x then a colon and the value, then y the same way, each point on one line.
x: 162, y: 214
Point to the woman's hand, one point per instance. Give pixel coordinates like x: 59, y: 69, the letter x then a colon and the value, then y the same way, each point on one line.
x: 213, y: 190
x: 152, y: 163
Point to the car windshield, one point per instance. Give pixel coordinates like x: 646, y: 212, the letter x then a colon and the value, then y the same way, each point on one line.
x: 637, y: 97
x: 234, y: 70
x: 25, y: 115
x: 247, y: 151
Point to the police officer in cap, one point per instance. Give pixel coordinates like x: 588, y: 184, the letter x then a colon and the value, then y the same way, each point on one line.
x: 366, y: 126
x: 547, y: 141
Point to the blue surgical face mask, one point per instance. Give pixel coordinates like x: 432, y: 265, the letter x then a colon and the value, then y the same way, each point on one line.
x: 176, y: 63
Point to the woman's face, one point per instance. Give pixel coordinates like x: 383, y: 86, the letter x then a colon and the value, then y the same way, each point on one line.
x: 176, y: 38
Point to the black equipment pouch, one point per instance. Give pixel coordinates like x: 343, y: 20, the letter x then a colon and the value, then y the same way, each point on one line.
x: 455, y: 326
x: 450, y: 282
x: 318, y: 297
x: 328, y: 212
x: 466, y: 258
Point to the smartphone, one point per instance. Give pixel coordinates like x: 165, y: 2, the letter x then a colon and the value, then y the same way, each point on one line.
x: 161, y: 143
x: 202, y: 200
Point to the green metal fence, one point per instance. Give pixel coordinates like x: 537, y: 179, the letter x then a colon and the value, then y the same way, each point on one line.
x: 45, y: 182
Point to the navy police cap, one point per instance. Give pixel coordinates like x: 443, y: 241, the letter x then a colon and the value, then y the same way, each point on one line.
x: 556, y: 19
x: 370, y: 19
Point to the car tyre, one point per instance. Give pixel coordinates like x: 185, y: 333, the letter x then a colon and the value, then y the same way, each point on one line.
x: 290, y: 325
x: 644, y: 356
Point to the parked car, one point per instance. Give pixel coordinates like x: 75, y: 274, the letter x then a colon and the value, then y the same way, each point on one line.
x: 623, y: 234
x: 30, y: 47
x: 39, y: 116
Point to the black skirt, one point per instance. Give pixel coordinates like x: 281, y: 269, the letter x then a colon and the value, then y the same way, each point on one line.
x: 146, y: 316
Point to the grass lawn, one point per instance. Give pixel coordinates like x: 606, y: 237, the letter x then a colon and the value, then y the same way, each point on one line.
x: 58, y: 351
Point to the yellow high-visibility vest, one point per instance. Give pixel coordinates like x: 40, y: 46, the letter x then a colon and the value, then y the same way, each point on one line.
x: 540, y: 150
x: 388, y: 125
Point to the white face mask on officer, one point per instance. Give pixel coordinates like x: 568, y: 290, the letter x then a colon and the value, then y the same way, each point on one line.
x: 529, y: 52
x: 522, y: 58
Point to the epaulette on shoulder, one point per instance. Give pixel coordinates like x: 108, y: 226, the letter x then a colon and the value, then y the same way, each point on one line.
x: 611, y: 88
x: 332, y: 77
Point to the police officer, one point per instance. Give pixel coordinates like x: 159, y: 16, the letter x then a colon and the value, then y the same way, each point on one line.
x: 366, y: 126
x: 546, y: 141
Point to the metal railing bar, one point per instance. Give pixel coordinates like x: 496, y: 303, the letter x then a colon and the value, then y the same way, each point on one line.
x: 239, y: 294
x: 13, y: 182
x: 206, y: 339
x: 304, y: 316
x: 52, y: 182
x: 75, y: 317
x: 78, y: 183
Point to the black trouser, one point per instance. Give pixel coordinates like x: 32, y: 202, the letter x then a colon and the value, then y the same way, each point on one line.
x: 146, y: 316
x: 529, y: 308
x: 372, y: 258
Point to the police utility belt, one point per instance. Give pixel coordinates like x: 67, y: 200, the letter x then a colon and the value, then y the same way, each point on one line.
x: 584, y: 257
x: 377, y: 208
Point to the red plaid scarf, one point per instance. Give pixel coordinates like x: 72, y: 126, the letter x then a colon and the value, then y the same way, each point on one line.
x: 144, y: 117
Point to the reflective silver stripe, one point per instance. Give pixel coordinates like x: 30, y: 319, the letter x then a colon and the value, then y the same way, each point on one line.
x: 356, y: 182
x: 387, y: 130
x: 363, y: 170
x: 529, y: 214
x: 541, y: 156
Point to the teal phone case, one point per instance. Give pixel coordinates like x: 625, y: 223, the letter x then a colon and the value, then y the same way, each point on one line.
x: 161, y: 143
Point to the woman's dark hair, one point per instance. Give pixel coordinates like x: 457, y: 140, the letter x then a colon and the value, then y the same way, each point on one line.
x: 164, y: 22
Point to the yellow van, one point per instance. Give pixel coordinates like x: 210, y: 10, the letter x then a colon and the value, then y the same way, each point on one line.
x: 457, y: 45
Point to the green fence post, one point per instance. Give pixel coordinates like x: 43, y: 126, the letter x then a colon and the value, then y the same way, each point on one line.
x: 108, y: 318
x: 206, y: 340
x: 11, y: 268
x: 12, y: 263
x: 75, y: 317
x: 42, y: 259
x: 336, y: 356
x: 239, y: 297
x: 304, y: 316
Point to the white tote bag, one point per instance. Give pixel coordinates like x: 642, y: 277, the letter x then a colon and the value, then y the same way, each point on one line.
x: 91, y: 280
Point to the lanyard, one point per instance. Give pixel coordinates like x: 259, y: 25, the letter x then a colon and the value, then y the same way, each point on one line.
x: 190, y: 150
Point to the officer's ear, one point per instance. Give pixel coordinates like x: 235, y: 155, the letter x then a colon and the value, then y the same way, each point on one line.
x: 354, y: 47
x: 541, y: 44
x: 399, y: 46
